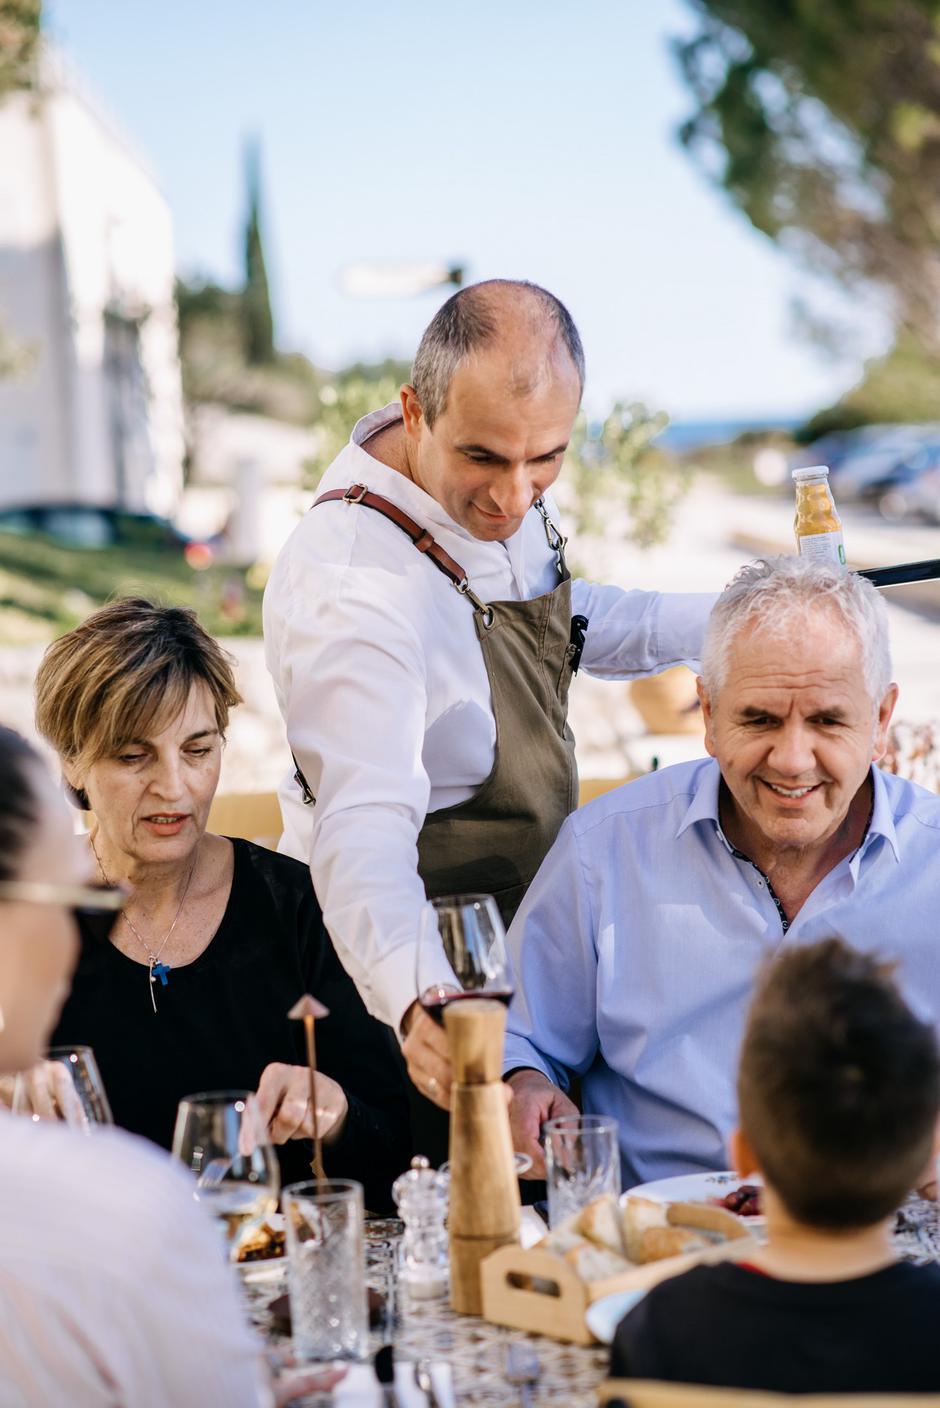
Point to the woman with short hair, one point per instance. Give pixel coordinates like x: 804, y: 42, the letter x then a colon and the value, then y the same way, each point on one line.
x: 220, y: 937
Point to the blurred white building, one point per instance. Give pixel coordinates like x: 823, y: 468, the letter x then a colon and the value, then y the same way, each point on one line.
x: 247, y: 482
x: 94, y: 412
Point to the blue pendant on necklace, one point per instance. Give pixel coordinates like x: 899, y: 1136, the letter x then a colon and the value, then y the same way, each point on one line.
x: 160, y: 971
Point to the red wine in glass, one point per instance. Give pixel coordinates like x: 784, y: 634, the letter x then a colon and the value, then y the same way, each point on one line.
x: 434, y: 1000
x: 461, y: 954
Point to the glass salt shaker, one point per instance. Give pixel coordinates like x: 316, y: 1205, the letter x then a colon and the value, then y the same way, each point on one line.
x: 421, y: 1198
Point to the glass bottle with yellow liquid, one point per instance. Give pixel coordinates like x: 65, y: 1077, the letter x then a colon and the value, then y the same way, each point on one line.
x: 817, y: 525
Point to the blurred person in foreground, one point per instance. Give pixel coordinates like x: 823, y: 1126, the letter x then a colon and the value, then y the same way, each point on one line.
x: 113, y: 1287
x: 422, y: 627
x: 219, y: 937
x: 839, y: 1091
x: 636, y: 949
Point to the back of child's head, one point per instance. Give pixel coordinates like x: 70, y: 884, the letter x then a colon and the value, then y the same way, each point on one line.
x: 838, y: 1086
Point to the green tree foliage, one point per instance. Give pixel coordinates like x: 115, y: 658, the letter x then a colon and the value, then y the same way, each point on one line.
x: 621, y: 483
x: 903, y: 385
x: 821, y: 120
x: 19, y: 40
x: 346, y: 398
x: 256, y: 299
x: 215, y: 368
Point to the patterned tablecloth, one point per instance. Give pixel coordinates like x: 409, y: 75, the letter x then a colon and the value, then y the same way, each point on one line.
x: 476, y: 1350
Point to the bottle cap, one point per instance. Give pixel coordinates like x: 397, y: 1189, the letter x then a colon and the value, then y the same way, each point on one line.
x: 812, y: 471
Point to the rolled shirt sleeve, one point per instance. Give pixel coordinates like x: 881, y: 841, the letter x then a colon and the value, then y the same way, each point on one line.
x: 636, y: 633
x: 552, y: 1024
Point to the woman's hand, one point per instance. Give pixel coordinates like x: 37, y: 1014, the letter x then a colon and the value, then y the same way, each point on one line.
x: 45, y: 1091
x: 283, y: 1104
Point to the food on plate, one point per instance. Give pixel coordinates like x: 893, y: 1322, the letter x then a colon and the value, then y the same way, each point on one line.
x: 606, y: 1240
x: 744, y: 1201
x: 260, y: 1242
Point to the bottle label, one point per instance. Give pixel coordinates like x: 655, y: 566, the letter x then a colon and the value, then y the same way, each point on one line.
x: 827, y: 546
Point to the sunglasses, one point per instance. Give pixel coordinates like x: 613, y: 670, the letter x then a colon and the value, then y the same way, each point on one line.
x: 100, y: 905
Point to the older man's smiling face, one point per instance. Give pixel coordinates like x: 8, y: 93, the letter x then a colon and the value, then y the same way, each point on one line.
x: 795, y: 731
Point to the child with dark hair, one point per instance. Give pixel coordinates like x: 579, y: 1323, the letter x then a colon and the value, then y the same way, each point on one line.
x: 839, y: 1095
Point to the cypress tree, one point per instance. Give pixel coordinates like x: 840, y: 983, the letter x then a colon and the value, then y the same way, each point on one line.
x: 256, y: 301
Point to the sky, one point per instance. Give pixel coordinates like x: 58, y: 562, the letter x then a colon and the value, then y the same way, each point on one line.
x: 520, y: 138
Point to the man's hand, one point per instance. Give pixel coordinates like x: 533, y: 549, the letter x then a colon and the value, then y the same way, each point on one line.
x: 534, y: 1100
x: 427, y: 1053
x: 283, y: 1104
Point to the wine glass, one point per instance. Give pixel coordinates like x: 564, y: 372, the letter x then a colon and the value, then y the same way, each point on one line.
x: 461, y: 953
x: 219, y: 1136
x: 65, y: 1085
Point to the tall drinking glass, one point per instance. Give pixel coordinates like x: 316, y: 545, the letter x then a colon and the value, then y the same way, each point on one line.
x: 582, y: 1161
x: 461, y: 953
x: 66, y: 1085
x: 218, y: 1136
x: 326, y: 1269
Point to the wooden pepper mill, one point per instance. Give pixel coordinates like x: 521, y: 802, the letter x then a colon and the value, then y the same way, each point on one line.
x: 484, y: 1194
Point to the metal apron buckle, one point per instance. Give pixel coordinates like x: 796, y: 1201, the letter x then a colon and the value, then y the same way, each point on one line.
x: 555, y: 540
x: 355, y: 494
x: 486, y: 612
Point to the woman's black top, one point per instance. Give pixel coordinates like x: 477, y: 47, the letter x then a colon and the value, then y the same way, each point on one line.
x: 222, y: 1018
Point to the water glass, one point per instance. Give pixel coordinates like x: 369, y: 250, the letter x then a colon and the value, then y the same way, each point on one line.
x: 220, y: 1138
x: 326, y: 1269
x: 582, y: 1161
x: 66, y: 1085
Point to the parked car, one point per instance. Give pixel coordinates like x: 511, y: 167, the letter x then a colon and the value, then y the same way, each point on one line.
x: 919, y: 498
x: 94, y: 526
x: 861, y: 460
x: 891, y: 493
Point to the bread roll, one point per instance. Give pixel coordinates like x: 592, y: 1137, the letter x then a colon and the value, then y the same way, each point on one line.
x: 593, y: 1263
x: 600, y: 1223
x: 638, y: 1215
x: 657, y: 1243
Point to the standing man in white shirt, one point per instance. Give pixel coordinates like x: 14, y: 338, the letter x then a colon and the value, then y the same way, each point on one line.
x: 422, y: 629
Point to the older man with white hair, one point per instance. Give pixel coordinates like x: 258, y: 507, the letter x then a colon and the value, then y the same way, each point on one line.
x: 636, y: 947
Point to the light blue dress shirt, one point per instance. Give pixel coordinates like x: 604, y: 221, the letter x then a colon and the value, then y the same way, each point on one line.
x: 636, y: 949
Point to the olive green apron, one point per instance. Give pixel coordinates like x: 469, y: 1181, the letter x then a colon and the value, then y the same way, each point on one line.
x: 495, y: 841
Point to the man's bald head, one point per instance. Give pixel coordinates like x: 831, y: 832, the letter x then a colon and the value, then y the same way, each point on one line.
x: 529, y: 325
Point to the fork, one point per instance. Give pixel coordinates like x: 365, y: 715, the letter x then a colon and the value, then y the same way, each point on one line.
x: 426, y: 1383
x: 522, y: 1371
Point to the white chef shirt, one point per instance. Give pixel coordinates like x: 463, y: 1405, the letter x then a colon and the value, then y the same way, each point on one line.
x: 380, y: 678
x: 114, y: 1292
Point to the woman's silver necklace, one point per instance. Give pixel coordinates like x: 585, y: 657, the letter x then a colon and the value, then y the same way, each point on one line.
x: 155, y: 968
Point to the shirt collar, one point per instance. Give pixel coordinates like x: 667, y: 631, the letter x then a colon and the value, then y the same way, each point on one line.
x: 704, y: 807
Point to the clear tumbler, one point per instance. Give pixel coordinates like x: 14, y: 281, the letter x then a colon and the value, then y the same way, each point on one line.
x: 326, y: 1269
x: 582, y: 1161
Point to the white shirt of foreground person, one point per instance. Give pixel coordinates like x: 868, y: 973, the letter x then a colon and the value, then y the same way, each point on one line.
x: 637, y: 945
x: 113, y: 1289
x: 380, y: 678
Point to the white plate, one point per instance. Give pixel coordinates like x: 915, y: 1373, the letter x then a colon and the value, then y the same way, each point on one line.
x: 604, y: 1315
x: 695, y: 1188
